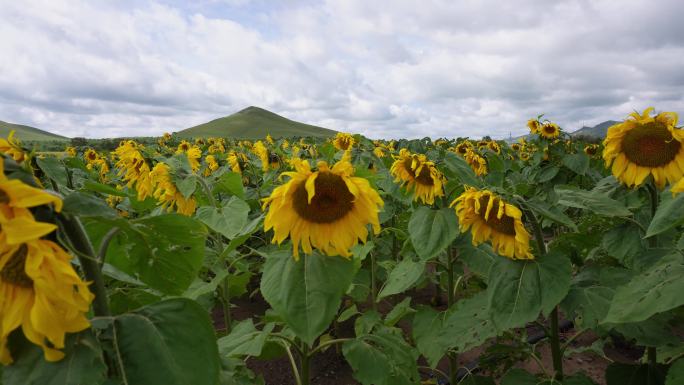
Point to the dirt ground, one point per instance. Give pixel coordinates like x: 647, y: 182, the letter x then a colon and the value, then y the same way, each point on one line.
x: 330, y: 367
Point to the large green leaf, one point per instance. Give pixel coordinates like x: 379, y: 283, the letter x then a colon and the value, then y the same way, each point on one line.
x: 230, y: 183
x: 170, y: 342
x: 244, y: 340
x: 403, y: 276
x: 460, y: 168
x: 82, y: 364
x: 229, y: 219
x: 87, y: 205
x: 579, y: 163
x: 432, y: 231
x: 670, y: 213
x: 594, y: 201
x: 656, y: 290
x: 625, y: 374
x: 54, y: 169
x: 520, y: 290
x: 589, y: 304
x: 306, y: 294
x: 553, y: 213
x: 381, y: 359
x: 164, y: 251
x: 675, y: 375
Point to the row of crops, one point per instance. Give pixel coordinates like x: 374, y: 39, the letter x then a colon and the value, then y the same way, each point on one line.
x: 128, y: 267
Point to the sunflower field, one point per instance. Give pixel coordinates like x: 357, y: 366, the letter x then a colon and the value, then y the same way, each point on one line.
x: 549, y: 260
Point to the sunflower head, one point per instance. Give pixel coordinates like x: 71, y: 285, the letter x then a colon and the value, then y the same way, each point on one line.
x: 12, y: 147
x: 591, y: 149
x: 476, y: 162
x: 549, y: 130
x: 416, y: 173
x: 534, y: 126
x: 71, y: 151
x: 343, y: 141
x: 184, y: 146
x: 327, y: 209
x: 462, y: 147
x: 645, y: 145
x: 524, y: 155
x: 494, y: 146
x: 493, y: 220
x: 515, y: 147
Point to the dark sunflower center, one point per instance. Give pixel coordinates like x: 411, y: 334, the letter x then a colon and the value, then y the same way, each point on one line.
x: 4, y: 198
x: 504, y: 225
x: 590, y: 150
x: 14, y: 271
x: 331, y: 202
x: 549, y: 129
x: 650, y: 145
x: 462, y: 149
x: 424, y: 176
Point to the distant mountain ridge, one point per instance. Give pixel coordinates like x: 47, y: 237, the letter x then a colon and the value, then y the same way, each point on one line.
x: 254, y: 123
x: 598, y: 131
x: 23, y: 132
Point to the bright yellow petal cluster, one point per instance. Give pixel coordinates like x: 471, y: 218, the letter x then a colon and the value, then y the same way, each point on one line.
x: 476, y: 162
x: 416, y: 173
x: 327, y: 209
x: 490, y: 219
x: 645, y: 145
x: 212, y: 165
x: 549, y: 130
x: 534, y: 126
x: 39, y: 289
x: 133, y: 168
x: 167, y: 193
x: 262, y: 152
x: 12, y: 147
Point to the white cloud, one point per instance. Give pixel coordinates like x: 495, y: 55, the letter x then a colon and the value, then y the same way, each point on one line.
x: 415, y: 68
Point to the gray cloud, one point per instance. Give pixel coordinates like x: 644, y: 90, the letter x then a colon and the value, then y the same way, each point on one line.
x: 415, y: 68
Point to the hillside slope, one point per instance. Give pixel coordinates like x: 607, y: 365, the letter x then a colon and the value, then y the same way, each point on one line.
x: 27, y: 132
x: 254, y: 123
x: 598, y: 131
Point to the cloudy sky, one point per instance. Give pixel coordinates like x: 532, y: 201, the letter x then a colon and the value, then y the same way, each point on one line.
x: 401, y: 68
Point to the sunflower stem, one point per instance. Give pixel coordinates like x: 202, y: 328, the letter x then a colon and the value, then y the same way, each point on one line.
x: 304, y: 364
x: 453, y: 363
x: 78, y: 237
x: 374, y: 284
x: 653, y: 243
x: 556, y: 352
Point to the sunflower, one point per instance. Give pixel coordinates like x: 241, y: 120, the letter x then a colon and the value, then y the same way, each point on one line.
x: 167, y: 193
x: 416, y: 173
x: 494, y: 146
x: 262, y: 152
x: 212, y: 165
x: 12, y: 147
x: 327, y: 209
x: 476, y: 162
x: 133, y: 168
x: 462, y: 147
x: 643, y: 145
x: 200, y: 142
x: 285, y: 145
x: 534, y: 126
x: 515, y: 147
x: 234, y: 162
x: 71, y: 151
x: 524, y: 155
x: 591, y: 149
x: 164, y: 139
x: 269, y: 139
x: 491, y: 219
x: 183, y: 146
x: 194, y: 154
x: 549, y: 130
x: 378, y: 152
x: 39, y: 289
x: 343, y: 141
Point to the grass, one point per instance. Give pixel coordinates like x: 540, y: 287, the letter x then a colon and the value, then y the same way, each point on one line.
x: 27, y: 133
x: 254, y: 123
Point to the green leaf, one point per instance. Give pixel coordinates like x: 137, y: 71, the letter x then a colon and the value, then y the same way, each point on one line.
x: 381, y: 359
x: 519, y: 377
x: 229, y: 220
x: 460, y: 168
x: 87, y: 205
x: 623, y: 242
x: 432, y: 231
x: 625, y: 374
x: 102, y: 188
x: 306, y: 294
x: 594, y: 201
x: 589, y: 303
x: 230, y: 183
x: 244, y: 340
x: 675, y: 375
x: 200, y: 288
x: 579, y: 163
x: 54, y: 169
x: 552, y: 213
x: 399, y: 311
x: 164, y: 251
x: 479, y: 259
x: 187, y: 185
x: 83, y: 363
x: 547, y: 173
x: 167, y: 343
x: 519, y: 290
x: 403, y: 276
x: 656, y: 290
x: 670, y: 213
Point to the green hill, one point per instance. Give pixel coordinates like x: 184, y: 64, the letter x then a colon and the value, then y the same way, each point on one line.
x: 598, y: 131
x: 254, y: 123
x: 27, y: 133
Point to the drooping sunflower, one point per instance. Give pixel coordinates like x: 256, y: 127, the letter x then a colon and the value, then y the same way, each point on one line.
x: 183, y: 146
x: 379, y: 152
x: 534, y: 126
x: 494, y: 146
x: 327, y: 209
x: 643, y: 145
x: 167, y: 193
x: 516, y: 147
x: 462, y: 147
x: 591, y: 149
x: 343, y: 141
x: 416, y: 173
x: 262, y: 152
x: 70, y: 151
x: 476, y: 162
x: 549, y: 130
x: 212, y: 165
x: 133, y: 168
x: 234, y: 162
x: 524, y: 155
x: 39, y: 289
x: 491, y: 219
x: 269, y: 139
x: 12, y: 147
